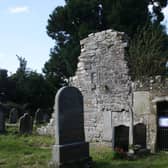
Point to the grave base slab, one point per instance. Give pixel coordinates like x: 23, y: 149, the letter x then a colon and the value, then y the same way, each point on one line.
x: 71, y: 155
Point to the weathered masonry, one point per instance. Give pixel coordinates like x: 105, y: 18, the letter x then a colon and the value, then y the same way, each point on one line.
x: 116, y: 110
x: 151, y: 109
x: 102, y: 77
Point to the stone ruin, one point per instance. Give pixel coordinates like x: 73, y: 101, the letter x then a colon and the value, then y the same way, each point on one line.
x: 102, y: 76
x: 118, y: 111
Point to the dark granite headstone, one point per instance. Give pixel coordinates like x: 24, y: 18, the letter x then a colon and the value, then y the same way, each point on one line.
x: 13, y: 116
x: 26, y: 124
x: 39, y: 116
x: 70, y: 146
x: 2, y: 119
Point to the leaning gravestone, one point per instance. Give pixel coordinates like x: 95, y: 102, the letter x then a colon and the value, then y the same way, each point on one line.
x: 70, y: 148
x: 25, y: 124
x: 2, y: 119
x: 13, y: 116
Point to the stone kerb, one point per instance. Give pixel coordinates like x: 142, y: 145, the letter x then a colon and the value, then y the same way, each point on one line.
x: 70, y: 146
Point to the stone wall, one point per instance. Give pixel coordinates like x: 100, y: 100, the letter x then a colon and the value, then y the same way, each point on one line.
x: 102, y: 77
x: 147, y: 93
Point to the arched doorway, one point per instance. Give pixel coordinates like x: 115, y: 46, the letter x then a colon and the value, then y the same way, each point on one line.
x: 121, y: 137
x: 140, y: 135
x: 162, y: 122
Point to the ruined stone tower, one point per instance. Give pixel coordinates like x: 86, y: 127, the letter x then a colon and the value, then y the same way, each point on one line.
x: 102, y: 77
x: 113, y: 110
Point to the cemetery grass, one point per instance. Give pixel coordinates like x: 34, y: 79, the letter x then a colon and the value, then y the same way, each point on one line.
x: 104, y: 158
x: 34, y: 151
x: 28, y: 151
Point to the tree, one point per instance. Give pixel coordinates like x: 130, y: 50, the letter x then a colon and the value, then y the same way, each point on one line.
x: 147, y: 55
x: 30, y: 87
x: 22, y: 64
x: 4, y: 84
x: 157, y: 10
x: 68, y: 24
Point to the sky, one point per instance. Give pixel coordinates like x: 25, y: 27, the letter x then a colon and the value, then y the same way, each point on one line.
x: 23, y: 32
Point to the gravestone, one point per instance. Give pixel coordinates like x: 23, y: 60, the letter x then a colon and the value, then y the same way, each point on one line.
x: 140, y: 135
x: 121, y: 137
x: 46, y: 118
x: 39, y: 116
x: 2, y: 119
x: 25, y: 124
x: 70, y: 148
x: 13, y: 116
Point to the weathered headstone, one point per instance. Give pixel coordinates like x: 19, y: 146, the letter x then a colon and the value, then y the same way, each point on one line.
x: 70, y: 148
x: 46, y: 118
x: 2, y: 119
x: 39, y: 116
x: 25, y: 124
x: 13, y: 116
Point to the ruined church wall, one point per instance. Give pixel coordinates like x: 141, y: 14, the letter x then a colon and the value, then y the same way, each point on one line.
x: 147, y: 93
x: 102, y: 77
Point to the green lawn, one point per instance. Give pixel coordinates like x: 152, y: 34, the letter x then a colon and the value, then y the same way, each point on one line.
x: 24, y: 151
x: 35, y: 152
x: 103, y: 158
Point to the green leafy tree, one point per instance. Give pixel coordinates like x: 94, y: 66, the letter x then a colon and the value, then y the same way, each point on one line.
x: 31, y: 88
x: 74, y: 21
x: 147, y: 55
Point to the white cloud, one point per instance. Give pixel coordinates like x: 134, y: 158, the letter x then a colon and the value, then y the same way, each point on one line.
x: 19, y: 9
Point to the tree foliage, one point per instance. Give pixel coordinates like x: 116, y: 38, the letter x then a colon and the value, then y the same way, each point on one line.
x: 6, y: 85
x: 30, y: 87
x: 74, y: 21
x: 147, y: 55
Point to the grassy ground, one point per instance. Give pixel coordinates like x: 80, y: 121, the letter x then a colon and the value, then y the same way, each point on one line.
x: 103, y: 158
x: 24, y: 151
x: 35, y: 152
